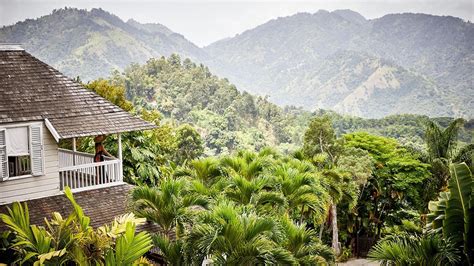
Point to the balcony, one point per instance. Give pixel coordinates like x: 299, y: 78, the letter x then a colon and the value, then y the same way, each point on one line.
x: 78, y: 171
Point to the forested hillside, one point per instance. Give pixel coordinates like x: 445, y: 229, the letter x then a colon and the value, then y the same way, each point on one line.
x: 399, y: 63
x: 228, y: 120
x: 342, y: 61
x: 93, y: 43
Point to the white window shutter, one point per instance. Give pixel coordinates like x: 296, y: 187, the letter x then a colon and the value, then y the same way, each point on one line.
x: 36, y: 150
x: 3, y: 155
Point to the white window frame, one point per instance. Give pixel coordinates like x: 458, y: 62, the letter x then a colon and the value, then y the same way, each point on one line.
x: 28, y: 125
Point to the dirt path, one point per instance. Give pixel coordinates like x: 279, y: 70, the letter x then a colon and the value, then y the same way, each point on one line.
x: 359, y: 262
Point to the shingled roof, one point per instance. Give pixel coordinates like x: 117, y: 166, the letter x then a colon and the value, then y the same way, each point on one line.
x: 31, y: 90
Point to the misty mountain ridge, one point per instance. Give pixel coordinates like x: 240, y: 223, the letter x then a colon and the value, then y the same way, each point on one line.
x: 399, y: 63
x: 293, y: 60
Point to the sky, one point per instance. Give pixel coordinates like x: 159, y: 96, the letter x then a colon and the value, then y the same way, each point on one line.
x: 206, y: 21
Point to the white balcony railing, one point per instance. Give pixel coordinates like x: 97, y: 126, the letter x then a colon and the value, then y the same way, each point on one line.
x: 78, y: 171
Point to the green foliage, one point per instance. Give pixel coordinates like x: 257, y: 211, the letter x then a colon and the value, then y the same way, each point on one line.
x: 114, y: 94
x: 237, y: 238
x: 172, y: 251
x: 73, y: 240
x: 423, y: 250
x: 303, y: 244
x: 227, y: 119
x: 167, y: 204
x: 320, y: 138
x: 129, y: 247
x: 188, y: 143
x: 245, y: 209
x: 7, y: 253
x: 393, y: 188
x: 453, y: 213
x: 442, y: 144
x: 145, y: 151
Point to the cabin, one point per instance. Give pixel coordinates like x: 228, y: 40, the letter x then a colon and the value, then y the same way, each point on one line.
x: 39, y: 107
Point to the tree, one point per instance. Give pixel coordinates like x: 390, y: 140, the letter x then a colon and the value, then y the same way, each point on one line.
x: 320, y: 138
x: 189, y: 144
x: 425, y: 250
x: 302, y: 242
x: 442, y: 150
x: 173, y: 251
x: 230, y: 236
x: 113, y: 93
x: 302, y: 189
x: 442, y: 143
x: 321, y: 147
x: 168, y: 204
x: 393, y: 188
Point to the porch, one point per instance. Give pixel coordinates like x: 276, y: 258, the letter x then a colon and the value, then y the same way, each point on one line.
x: 78, y: 170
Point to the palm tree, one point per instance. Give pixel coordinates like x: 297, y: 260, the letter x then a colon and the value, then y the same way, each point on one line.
x: 229, y: 236
x: 423, y: 250
x: 442, y: 149
x: 304, y: 245
x: 442, y: 143
x: 168, y: 205
x: 171, y: 250
x: 243, y: 191
x: 206, y: 170
x: 205, y: 177
x: 247, y: 164
x: 298, y: 183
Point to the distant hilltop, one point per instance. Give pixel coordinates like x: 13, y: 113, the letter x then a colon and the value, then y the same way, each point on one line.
x: 399, y: 63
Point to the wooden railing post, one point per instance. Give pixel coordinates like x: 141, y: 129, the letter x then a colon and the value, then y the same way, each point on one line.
x: 120, y: 156
x: 74, y: 149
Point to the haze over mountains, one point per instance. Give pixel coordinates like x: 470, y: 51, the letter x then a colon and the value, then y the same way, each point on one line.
x: 400, y: 63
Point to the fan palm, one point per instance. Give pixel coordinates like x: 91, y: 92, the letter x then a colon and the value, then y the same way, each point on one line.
x: 167, y: 205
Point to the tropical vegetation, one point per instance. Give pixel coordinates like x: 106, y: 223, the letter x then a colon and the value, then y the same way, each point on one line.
x: 230, y: 178
x: 62, y: 241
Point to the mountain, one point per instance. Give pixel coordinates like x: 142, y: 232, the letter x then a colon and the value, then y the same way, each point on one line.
x: 229, y: 120
x: 399, y: 63
x: 90, y: 44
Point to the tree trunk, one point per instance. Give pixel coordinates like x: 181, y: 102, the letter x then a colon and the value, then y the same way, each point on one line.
x: 321, y: 229
x: 335, y: 231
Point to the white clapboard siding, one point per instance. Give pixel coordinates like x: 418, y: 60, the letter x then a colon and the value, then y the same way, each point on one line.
x: 3, y: 155
x: 33, y: 187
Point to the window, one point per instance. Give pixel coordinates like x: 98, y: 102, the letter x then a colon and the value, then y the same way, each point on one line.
x: 18, y: 151
x: 21, y: 151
